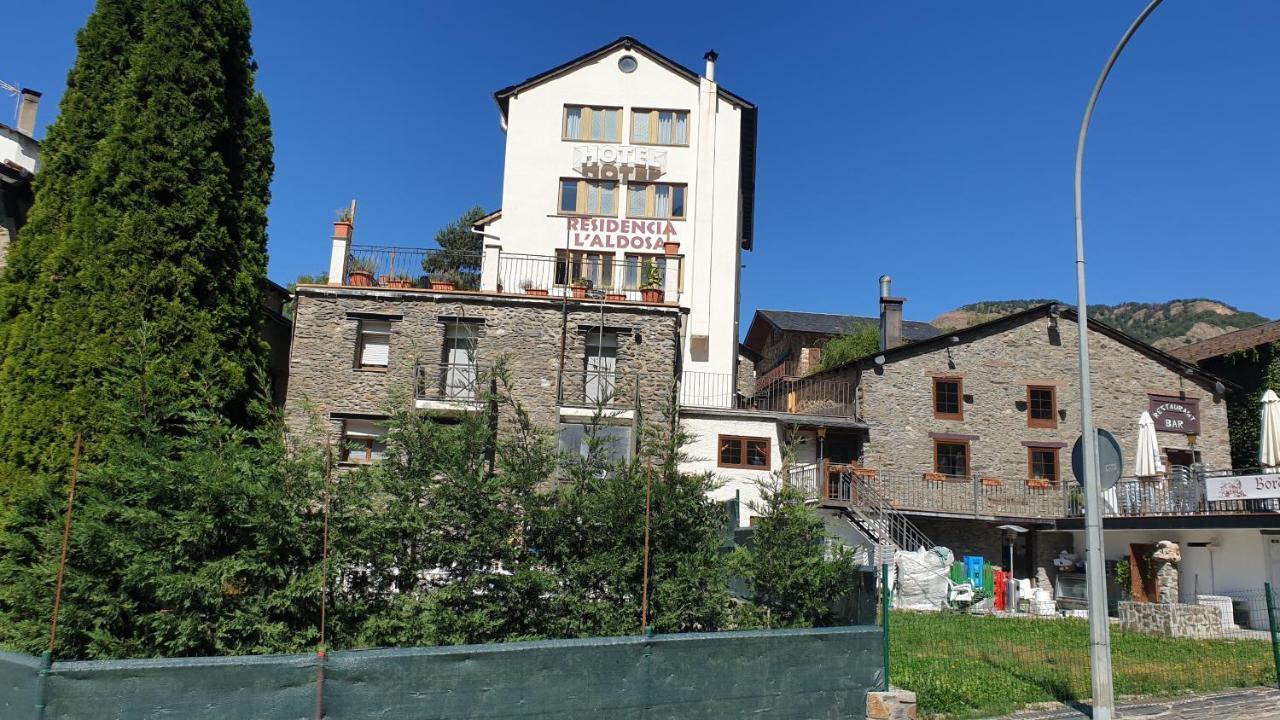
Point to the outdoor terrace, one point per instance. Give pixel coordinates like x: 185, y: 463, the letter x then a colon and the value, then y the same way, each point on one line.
x: 653, y: 279
x: 800, y: 396
x: 1179, y: 495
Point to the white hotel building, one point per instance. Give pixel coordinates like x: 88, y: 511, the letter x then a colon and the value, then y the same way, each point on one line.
x: 612, y: 268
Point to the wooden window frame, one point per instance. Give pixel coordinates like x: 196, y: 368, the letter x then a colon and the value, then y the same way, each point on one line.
x: 968, y: 456
x: 650, y: 200
x: 588, y: 110
x: 360, y: 334
x: 653, y: 126
x: 959, y: 414
x: 1057, y: 464
x: 582, y: 197
x: 1052, y: 421
x: 744, y: 439
x: 567, y: 258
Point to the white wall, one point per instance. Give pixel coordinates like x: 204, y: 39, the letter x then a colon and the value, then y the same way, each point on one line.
x: 19, y: 150
x: 702, y: 452
x: 1238, y: 563
x: 537, y: 158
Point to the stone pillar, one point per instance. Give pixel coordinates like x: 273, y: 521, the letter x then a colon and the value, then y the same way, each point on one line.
x: 338, y: 252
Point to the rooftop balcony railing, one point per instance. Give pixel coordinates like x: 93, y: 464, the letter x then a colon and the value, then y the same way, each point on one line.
x: 397, y: 267
x: 647, y: 278
x: 785, y: 369
x: 1181, y: 492
x: 803, y: 396
x: 585, y: 275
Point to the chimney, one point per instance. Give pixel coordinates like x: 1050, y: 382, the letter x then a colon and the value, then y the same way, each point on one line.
x: 890, y: 316
x: 28, y: 103
x: 710, y: 57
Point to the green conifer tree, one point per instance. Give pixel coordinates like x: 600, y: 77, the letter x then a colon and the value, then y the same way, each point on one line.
x: 460, y: 250
x: 150, y: 209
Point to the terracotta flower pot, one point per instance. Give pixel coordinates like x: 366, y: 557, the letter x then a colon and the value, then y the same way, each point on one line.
x: 537, y: 292
x: 651, y: 295
x: 1038, y: 483
x: 671, y: 248
x: 342, y: 229
x: 992, y: 482
x: 396, y: 282
x: 362, y: 278
x: 443, y: 285
x: 578, y: 292
x: 934, y: 477
x: 615, y: 296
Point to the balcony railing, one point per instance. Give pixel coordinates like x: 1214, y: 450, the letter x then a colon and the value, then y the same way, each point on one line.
x: 459, y: 382
x: 828, y: 398
x: 1180, y: 494
x: 609, y: 388
x: 586, y: 275
x: 396, y: 267
x: 786, y: 369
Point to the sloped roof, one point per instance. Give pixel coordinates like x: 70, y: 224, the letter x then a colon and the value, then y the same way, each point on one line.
x: 824, y: 324
x: 1000, y: 324
x: 1242, y: 339
x: 747, y: 148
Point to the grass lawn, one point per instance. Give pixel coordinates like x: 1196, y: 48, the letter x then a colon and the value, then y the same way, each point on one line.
x: 967, y: 666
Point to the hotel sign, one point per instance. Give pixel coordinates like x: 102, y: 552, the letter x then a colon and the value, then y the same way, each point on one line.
x: 610, y: 162
x: 1173, y: 414
x: 610, y: 233
x: 1242, y: 487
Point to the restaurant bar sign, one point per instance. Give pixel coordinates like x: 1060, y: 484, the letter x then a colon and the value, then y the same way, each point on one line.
x: 1173, y: 414
x: 1242, y: 487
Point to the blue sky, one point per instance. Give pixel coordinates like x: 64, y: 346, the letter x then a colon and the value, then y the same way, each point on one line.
x: 929, y: 140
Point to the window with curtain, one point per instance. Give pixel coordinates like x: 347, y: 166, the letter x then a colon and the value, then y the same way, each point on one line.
x: 585, y: 122
x: 362, y: 441
x: 660, y: 127
x: 751, y: 453
x: 574, y: 265
x: 655, y: 200
x: 588, y: 197
x: 600, y: 367
x: 1042, y: 464
x: 638, y: 266
x: 951, y: 458
x: 374, y: 343
x: 460, y: 361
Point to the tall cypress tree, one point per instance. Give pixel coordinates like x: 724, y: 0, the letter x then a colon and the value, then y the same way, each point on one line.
x: 150, y: 209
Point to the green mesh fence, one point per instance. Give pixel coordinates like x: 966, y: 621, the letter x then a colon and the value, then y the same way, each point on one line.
x: 808, y: 673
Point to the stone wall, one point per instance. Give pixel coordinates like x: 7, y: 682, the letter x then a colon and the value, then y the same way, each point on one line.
x: 996, y: 368
x: 524, y: 333
x: 1171, y: 619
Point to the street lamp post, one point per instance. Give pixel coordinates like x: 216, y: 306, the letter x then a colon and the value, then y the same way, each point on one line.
x: 1095, y: 561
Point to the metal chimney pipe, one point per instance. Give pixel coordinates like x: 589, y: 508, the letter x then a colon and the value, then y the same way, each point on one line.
x: 710, y: 57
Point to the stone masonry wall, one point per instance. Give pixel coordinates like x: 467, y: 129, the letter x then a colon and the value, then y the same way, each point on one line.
x: 897, y: 401
x: 1171, y: 619
x: 524, y: 332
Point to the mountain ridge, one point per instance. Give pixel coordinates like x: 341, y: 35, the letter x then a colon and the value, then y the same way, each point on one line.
x: 1166, y: 325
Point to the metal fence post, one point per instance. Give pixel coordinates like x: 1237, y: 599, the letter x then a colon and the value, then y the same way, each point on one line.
x: 42, y: 679
x: 1272, y: 621
x: 885, y: 606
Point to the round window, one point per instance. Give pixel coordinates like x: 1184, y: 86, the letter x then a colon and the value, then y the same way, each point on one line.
x: 627, y: 64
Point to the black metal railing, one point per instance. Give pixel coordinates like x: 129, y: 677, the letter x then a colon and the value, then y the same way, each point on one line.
x: 447, y: 381
x: 1182, y: 491
x: 587, y: 275
x: 397, y: 267
x: 801, y: 396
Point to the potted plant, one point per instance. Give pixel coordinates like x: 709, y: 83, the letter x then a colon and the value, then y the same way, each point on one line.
x: 580, y: 286
x: 359, y: 271
x: 614, y: 296
x: 934, y: 477
x: 651, y: 290
x: 671, y: 247
x: 343, y: 225
x: 447, y: 280
x: 531, y: 289
x: 399, y: 280
x: 992, y: 482
x: 1039, y: 483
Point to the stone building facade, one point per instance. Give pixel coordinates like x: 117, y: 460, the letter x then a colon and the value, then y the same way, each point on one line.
x: 995, y: 365
x: 544, y: 343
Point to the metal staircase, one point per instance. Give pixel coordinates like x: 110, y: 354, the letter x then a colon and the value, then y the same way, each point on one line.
x: 855, y: 497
